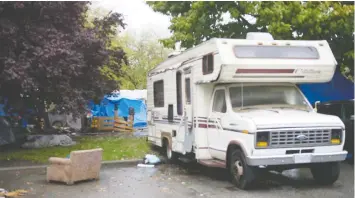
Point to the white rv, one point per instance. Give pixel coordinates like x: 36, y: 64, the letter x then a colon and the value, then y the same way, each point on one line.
x: 234, y: 103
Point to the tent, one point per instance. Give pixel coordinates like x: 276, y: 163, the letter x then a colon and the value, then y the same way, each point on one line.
x: 124, y: 102
x: 134, y: 94
x: 339, y: 88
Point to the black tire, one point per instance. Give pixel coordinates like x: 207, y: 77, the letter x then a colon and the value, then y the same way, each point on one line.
x: 245, y: 179
x: 170, y: 155
x: 350, y: 160
x: 326, y: 173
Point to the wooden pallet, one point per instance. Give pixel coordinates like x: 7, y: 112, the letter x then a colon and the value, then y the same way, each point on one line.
x: 116, y: 124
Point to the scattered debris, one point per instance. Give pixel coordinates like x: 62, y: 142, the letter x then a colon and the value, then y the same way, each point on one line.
x: 140, y: 132
x: 102, y: 190
x: 151, y: 159
x: 16, y: 193
x: 41, y: 141
x: 2, y: 193
x: 146, y: 165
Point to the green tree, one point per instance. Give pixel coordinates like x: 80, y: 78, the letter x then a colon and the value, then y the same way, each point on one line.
x: 196, y: 21
x: 143, y: 54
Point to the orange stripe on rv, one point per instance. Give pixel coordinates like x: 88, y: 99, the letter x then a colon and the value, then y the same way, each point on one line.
x: 264, y: 71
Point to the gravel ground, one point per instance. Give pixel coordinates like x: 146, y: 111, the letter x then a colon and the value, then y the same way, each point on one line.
x: 176, y: 181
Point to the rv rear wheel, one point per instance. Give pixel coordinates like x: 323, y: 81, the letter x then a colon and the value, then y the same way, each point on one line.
x: 326, y: 173
x: 242, y: 175
x: 169, y: 153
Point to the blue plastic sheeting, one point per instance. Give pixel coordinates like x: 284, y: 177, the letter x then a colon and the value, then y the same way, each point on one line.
x: 2, y: 112
x: 339, y: 88
x: 349, y: 156
x: 107, y: 106
x: 24, y: 121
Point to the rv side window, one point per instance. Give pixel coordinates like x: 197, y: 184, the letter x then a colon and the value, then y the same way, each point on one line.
x: 187, y: 90
x: 219, y: 101
x: 158, y: 90
x: 207, y: 64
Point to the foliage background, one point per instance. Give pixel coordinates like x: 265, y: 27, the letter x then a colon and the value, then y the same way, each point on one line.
x: 196, y: 21
x: 143, y: 52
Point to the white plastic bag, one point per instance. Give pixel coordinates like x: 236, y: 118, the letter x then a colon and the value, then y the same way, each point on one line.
x: 151, y: 159
x: 146, y: 165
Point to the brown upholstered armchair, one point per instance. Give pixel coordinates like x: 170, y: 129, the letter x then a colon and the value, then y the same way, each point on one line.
x: 82, y: 165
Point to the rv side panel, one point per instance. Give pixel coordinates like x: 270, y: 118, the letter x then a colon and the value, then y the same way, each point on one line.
x: 202, y: 98
x: 161, y: 93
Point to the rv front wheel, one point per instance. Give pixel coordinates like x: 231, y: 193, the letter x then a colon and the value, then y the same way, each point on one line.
x: 242, y: 175
x: 326, y: 173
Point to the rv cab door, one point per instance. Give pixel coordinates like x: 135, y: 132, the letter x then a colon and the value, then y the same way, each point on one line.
x: 218, y: 110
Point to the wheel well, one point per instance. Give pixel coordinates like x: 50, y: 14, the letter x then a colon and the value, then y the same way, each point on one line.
x: 231, y: 148
x: 165, y: 141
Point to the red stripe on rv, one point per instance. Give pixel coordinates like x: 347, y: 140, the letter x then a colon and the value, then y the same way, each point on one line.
x: 202, y: 126
x: 263, y: 71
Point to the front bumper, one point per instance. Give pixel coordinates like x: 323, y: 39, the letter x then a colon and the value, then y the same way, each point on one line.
x: 296, y: 159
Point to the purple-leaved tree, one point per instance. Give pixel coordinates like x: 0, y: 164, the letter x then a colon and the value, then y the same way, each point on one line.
x: 49, y: 55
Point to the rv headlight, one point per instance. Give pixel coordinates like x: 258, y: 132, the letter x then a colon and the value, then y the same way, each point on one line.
x: 336, y: 136
x: 262, y: 139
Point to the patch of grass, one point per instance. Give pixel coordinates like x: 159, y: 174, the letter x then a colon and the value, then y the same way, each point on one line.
x: 114, y: 148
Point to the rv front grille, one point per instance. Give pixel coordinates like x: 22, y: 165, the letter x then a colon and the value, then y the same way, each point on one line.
x: 298, y: 138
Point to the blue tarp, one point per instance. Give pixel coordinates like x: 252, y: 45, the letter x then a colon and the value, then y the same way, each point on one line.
x: 24, y: 118
x: 339, y: 88
x: 107, y: 106
x: 2, y: 112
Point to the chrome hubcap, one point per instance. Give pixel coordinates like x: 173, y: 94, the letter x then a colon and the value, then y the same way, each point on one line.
x: 168, y: 152
x: 239, y: 169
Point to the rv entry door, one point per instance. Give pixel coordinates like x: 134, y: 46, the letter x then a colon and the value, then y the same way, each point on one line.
x: 217, y: 111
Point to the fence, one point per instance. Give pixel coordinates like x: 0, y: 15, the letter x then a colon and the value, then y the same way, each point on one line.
x: 117, y: 124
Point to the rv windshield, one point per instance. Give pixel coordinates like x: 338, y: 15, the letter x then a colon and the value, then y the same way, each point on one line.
x: 272, y: 96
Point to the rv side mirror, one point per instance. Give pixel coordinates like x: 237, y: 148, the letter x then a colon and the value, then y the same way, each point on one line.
x: 352, y: 117
x: 316, y: 105
x: 170, y: 112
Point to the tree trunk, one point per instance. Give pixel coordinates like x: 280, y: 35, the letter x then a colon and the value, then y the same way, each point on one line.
x: 44, y: 114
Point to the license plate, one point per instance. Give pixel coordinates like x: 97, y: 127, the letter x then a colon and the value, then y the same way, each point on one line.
x: 301, y: 159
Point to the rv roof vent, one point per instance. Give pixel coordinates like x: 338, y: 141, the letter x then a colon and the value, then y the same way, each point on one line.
x: 175, y: 53
x: 259, y: 36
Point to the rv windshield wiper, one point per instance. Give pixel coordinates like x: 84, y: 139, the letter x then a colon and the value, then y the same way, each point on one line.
x: 255, y: 108
x: 247, y: 108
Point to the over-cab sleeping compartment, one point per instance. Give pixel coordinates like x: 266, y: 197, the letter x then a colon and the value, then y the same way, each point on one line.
x: 275, y: 61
